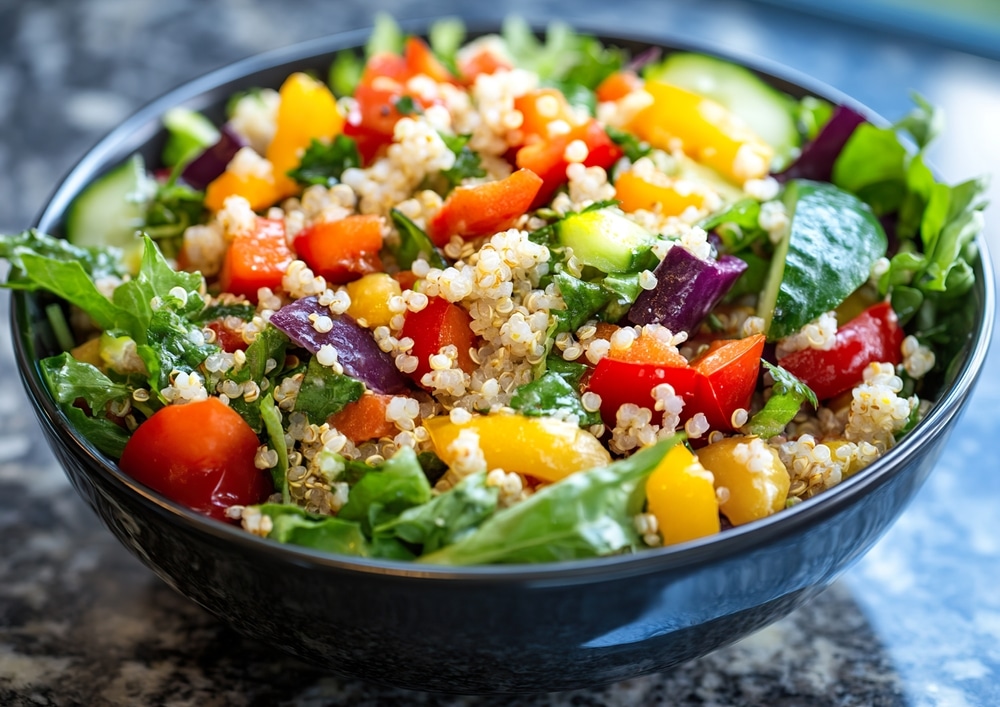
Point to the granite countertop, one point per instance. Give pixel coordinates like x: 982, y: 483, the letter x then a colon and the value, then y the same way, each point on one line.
x: 915, y: 622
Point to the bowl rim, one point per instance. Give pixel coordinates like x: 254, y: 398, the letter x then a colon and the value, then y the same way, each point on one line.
x: 143, y: 124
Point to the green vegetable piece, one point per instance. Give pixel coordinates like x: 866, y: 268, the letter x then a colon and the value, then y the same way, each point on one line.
x: 345, y: 73
x: 605, y: 239
x: 446, y: 518
x: 468, y: 164
x: 587, y: 514
x: 325, y: 392
x: 386, y: 491
x: 632, y: 146
x: 812, y: 114
x: 787, y: 397
x: 386, y: 36
x: 96, y: 261
x: 405, y: 105
x: 240, y: 310
x: 292, y: 525
x: 189, y: 132
x: 827, y: 253
x: 872, y: 166
x: 111, y: 210
x: 324, y: 164
x: 583, y: 300
x: 738, y: 225
x: 552, y: 396
x: 414, y: 244
x: 446, y: 36
x: 570, y: 371
x: 271, y: 416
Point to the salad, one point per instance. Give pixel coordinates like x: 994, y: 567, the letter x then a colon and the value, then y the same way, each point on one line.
x: 507, y: 299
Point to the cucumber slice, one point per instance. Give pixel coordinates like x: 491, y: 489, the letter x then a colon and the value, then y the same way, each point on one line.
x: 605, y: 239
x: 111, y: 210
x: 189, y: 134
x: 769, y: 112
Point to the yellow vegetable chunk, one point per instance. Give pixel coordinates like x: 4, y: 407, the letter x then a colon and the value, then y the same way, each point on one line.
x: 544, y: 447
x: 753, y: 475
x: 707, y: 131
x: 370, y: 297
x: 670, y: 198
x: 681, y: 494
x: 308, y: 111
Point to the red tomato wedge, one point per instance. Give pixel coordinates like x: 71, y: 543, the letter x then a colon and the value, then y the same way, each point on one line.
x: 872, y: 336
x: 257, y: 259
x: 439, y: 324
x: 198, y: 454
x: 484, y: 208
x: 343, y: 250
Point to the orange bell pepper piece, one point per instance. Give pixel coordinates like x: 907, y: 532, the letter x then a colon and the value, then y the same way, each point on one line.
x: 256, y: 259
x: 707, y: 131
x: 669, y: 199
x: 307, y: 111
x: 260, y: 192
x: 342, y: 250
x: 544, y: 447
x: 649, y: 349
x: 540, y: 108
x: 681, y: 495
x: 483, y: 61
x: 484, y: 208
x: 618, y: 85
x: 364, y: 419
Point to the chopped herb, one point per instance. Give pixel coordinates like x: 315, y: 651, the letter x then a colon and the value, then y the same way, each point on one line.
x: 552, y: 396
x: 632, y: 146
x: 325, y: 392
x: 325, y: 163
x: 407, y: 106
x: 414, y: 243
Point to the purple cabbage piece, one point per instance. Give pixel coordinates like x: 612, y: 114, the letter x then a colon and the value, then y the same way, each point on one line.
x: 212, y: 162
x: 687, y: 289
x: 817, y: 156
x: 356, y: 350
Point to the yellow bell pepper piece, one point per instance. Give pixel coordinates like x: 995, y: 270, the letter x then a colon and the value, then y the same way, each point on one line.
x: 544, y: 447
x: 681, y: 495
x: 670, y: 198
x: 707, y: 131
x: 753, y: 475
x: 370, y: 297
x: 308, y: 110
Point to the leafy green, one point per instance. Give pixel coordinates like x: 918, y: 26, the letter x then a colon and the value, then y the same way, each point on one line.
x: 97, y: 263
x: 170, y: 336
x: 564, y: 55
x: 172, y: 209
x: 552, y: 396
x: 738, y: 225
x: 271, y: 416
x: 787, y: 396
x: 104, y: 434
x: 241, y: 310
x: 570, y: 371
x: 583, y: 300
x: 386, y: 36
x: 812, y: 114
x: 413, y: 244
x: 631, y: 145
x: 324, y: 164
x: 292, y: 525
x: 386, y: 491
x: 188, y: 133
x: 587, y: 514
x: 468, y: 164
x: 446, y: 36
x: 345, y: 73
x: 405, y: 105
x: 446, y: 518
x: 325, y: 392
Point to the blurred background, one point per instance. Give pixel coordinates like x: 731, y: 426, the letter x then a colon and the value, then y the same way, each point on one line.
x: 916, y: 622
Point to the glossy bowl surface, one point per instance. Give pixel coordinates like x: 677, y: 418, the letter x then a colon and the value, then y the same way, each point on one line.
x: 481, y: 629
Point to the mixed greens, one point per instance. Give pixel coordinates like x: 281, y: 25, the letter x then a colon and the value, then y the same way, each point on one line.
x: 511, y: 300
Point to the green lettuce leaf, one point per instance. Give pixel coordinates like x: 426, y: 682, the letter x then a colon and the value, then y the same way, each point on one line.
x: 386, y: 491
x: 787, y: 397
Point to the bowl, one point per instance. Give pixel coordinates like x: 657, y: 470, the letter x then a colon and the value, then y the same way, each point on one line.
x: 482, y: 629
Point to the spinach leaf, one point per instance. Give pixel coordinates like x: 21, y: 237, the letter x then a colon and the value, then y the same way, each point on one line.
x: 738, y: 226
x: 414, y: 244
x: 324, y: 164
x: 96, y: 262
x: 104, y: 434
x: 386, y: 491
x: 170, y: 336
x: 872, y: 166
x: 172, y: 209
x: 632, y: 146
x: 292, y: 525
x: 563, y: 56
x: 240, y: 310
x: 570, y: 371
x: 446, y: 518
x: 325, y: 392
x: 271, y: 416
x: 587, y: 514
x: 70, y: 380
x: 583, y: 300
x: 552, y: 396
x: 269, y: 344
x: 787, y: 397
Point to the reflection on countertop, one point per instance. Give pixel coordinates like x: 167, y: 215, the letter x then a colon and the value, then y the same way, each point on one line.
x: 916, y: 622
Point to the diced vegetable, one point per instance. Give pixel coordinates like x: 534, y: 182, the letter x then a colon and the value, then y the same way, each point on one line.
x: 256, y: 259
x: 819, y: 155
x: 681, y: 494
x: 669, y: 199
x: 484, y: 208
x: 211, y: 163
x: 200, y: 454
x: 112, y: 209
x: 755, y: 479
x: 605, y: 239
x: 364, y: 419
x: 370, y: 297
x: 872, y: 336
x: 356, y: 350
x: 544, y: 447
x: 190, y: 132
x: 687, y: 289
x: 342, y: 250
x: 437, y: 325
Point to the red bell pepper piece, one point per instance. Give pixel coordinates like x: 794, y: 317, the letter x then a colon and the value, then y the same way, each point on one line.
x: 343, y: 250
x: 483, y: 61
x: 484, y: 208
x: 256, y: 259
x: 715, y: 384
x: 439, y: 324
x: 872, y: 336
x: 421, y: 60
x: 547, y: 158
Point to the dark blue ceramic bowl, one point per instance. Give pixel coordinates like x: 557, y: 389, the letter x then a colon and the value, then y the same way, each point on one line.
x: 482, y: 629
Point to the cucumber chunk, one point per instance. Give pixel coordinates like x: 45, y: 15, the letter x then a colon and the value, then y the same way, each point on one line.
x: 111, y: 210
x: 769, y: 112
x: 605, y: 239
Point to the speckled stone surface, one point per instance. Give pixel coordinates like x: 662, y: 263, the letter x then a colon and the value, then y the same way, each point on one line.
x: 916, y: 622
